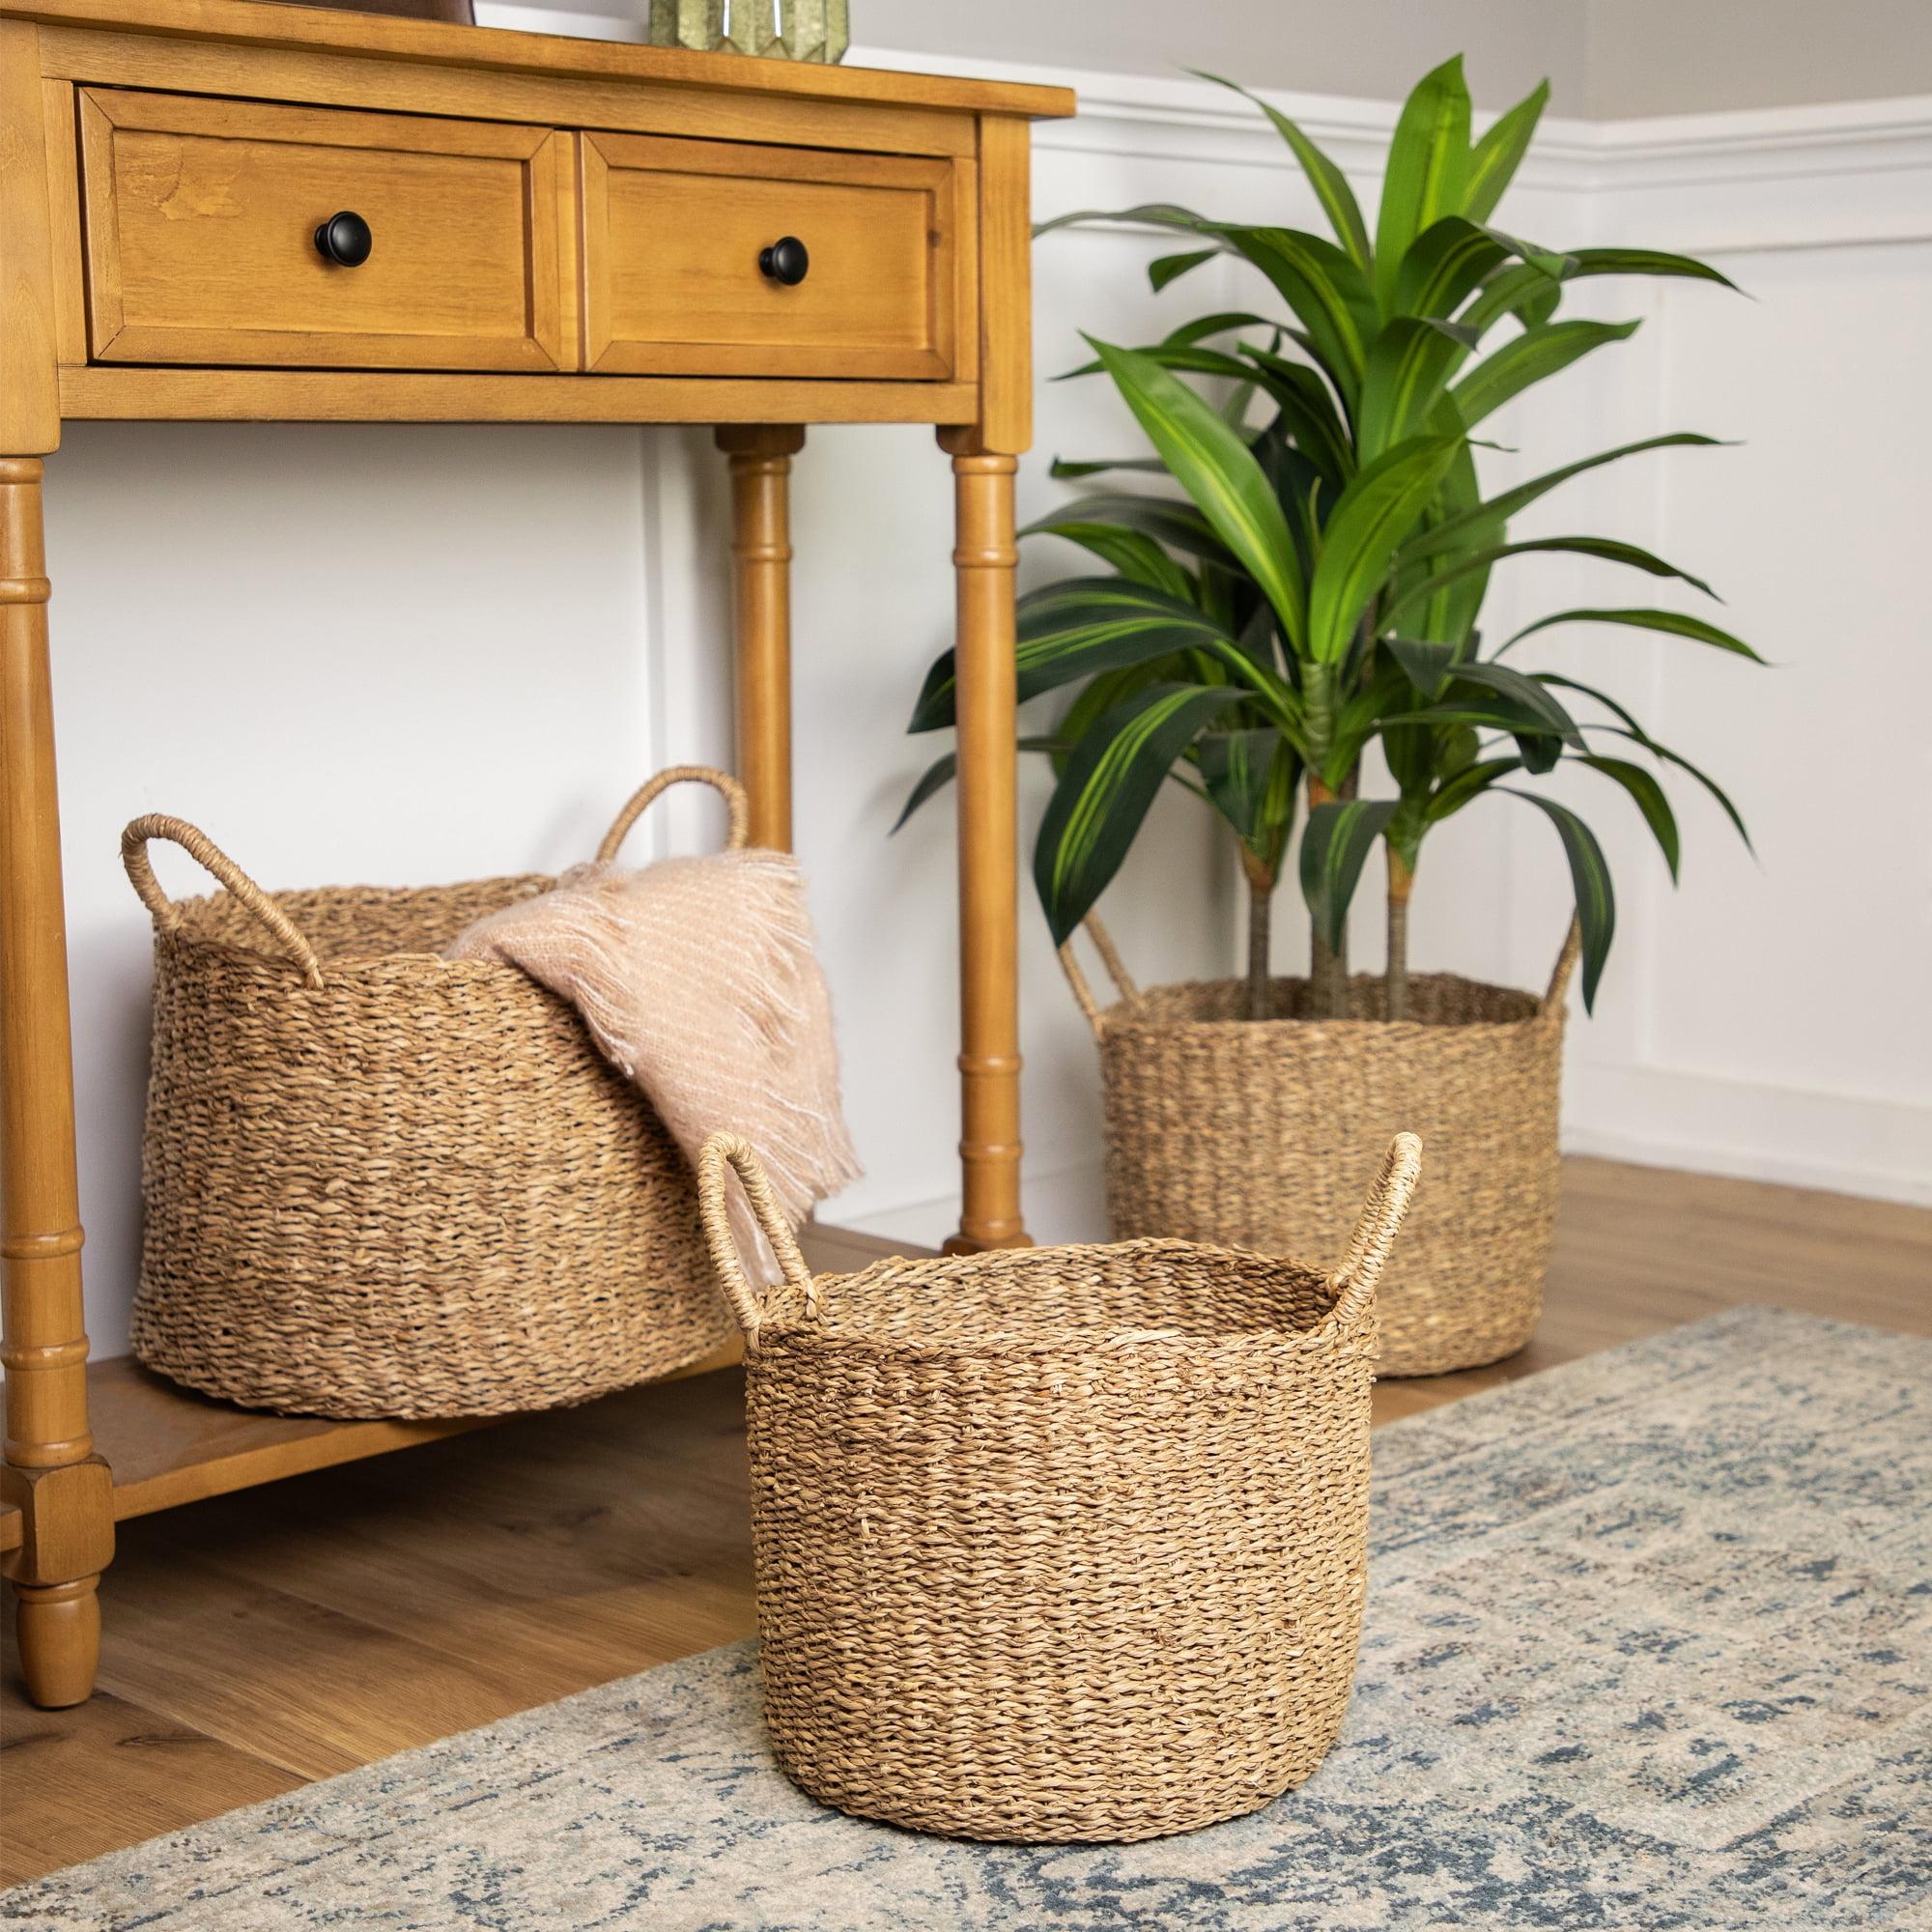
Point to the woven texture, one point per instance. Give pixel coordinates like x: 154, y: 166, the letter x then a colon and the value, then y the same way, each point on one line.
x: 1194, y: 1093
x: 698, y: 979
x: 381, y: 1185
x: 1063, y: 1543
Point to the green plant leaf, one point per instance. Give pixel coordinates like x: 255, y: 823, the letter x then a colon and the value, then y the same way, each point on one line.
x: 1409, y: 365
x: 1674, y: 623
x: 1508, y: 682
x: 1106, y: 689
x: 1203, y: 328
x: 1326, y: 292
x: 1307, y: 414
x: 1450, y: 614
x: 1463, y: 786
x: 1144, y: 215
x: 1646, y: 262
x: 1169, y: 520
x: 1337, y: 840
x: 1173, y: 356
x: 1111, y: 779
x: 1132, y: 552
x: 941, y: 773
x: 1330, y: 185
x: 1246, y: 774
x: 1376, y: 513
x: 1426, y: 664
x: 1590, y: 875
x: 1482, y: 521
x: 1496, y: 156
x: 1454, y: 256
x: 1509, y: 288
x: 1650, y: 800
x: 1086, y: 624
x: 1069, y: 468
x: 1428, y: 170
x: 1166, y: 268
x: 1608, y: 548
x: 1218, y: 470
x: 1530, y: 357
x: 1633, y: 730
x: 1443, y: 263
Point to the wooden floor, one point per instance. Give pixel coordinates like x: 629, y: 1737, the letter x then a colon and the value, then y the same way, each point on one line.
x: 259, y: 1640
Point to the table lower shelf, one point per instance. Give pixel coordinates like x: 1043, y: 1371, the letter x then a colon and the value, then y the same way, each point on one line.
x: 167, y: 1445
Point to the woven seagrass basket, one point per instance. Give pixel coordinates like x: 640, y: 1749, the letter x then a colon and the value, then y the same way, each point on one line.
x: 1057, y: 1543
x: 1193, y: 1093
x: 380, y: 1183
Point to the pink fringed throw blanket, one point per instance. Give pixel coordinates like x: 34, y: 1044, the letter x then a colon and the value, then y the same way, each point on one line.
x: 696, y: 978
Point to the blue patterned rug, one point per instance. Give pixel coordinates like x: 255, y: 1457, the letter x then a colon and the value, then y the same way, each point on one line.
x: 1649, y: 1644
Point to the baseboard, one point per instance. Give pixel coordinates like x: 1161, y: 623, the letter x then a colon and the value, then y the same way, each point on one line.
x: 1690, y: 1122
x: 1845, y: 1144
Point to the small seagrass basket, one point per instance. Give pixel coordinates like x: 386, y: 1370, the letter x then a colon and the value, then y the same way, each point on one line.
x: 1193, y: 1092
x: 1057, y: 1543
x: 383, y: 1183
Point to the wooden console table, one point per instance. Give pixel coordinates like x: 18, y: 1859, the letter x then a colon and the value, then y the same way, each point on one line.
x: 216, y: 210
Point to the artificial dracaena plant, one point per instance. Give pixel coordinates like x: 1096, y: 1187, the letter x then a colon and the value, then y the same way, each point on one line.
x: 1317, y: 586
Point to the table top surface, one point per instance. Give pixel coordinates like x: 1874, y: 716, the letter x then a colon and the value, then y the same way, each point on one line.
x: 267, y: 22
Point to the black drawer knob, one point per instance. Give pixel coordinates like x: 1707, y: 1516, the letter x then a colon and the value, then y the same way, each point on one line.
x: 786, y: 261
x: 345, y: 240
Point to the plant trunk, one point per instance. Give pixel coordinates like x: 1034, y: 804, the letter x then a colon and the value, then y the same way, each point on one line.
x: 1260, y: 909
x: 1400, y: 882
x: 1328, y: 966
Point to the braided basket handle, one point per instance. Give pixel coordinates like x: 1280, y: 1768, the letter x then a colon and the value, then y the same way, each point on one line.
x: 641, y: 799
x: 1353, y: 1282
x: 211, y: 858
x: 1110, y: 958
x: 724, y: 1150
x: 1566, y: 964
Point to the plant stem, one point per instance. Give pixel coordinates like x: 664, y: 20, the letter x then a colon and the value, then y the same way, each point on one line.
x: 1327, y: 967
x: 1261, y: 908
x: 1400, y: 882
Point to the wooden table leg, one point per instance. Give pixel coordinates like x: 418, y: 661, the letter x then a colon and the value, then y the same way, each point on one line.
x: 761, y: 455
x: 985, y: 559
x: 63, y: 1489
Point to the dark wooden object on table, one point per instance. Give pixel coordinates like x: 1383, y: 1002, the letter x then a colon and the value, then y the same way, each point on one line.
x: 458, y: 13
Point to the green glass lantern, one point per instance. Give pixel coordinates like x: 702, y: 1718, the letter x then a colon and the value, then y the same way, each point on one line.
x: 802, y: 30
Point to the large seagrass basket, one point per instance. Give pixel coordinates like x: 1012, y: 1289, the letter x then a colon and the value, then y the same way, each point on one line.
x: 1057, y: 1543
x: 1195, y: 1094
x: 383, y: 1183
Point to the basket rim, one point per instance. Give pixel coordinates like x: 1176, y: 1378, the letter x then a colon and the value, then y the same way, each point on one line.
x: 1049, y: 1339
x: 1120, y: 1016
x: 339, y: 965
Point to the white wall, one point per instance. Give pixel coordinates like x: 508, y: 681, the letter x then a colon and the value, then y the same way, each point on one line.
x: 1607, y: 59
x: 419, y: 654
x: 1305, y: 44
x: 1694, y: 56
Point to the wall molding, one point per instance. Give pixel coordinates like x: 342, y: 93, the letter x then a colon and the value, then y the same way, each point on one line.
x: 1739, y: 159
x: 1752, y: 1131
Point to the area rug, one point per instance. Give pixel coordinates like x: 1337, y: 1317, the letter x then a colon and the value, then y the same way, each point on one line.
x: 1649, y: 1644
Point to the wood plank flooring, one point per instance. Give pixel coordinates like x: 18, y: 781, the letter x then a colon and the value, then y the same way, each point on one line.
x: 258, y: 1640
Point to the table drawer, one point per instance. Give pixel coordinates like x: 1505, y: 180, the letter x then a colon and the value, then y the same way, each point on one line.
x: 673, y: 236
x: 201, y: 245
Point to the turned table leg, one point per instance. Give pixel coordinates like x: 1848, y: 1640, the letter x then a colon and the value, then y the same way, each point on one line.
x: 761, y: 455
x: 986, y: 559
x: 51, y: 1474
